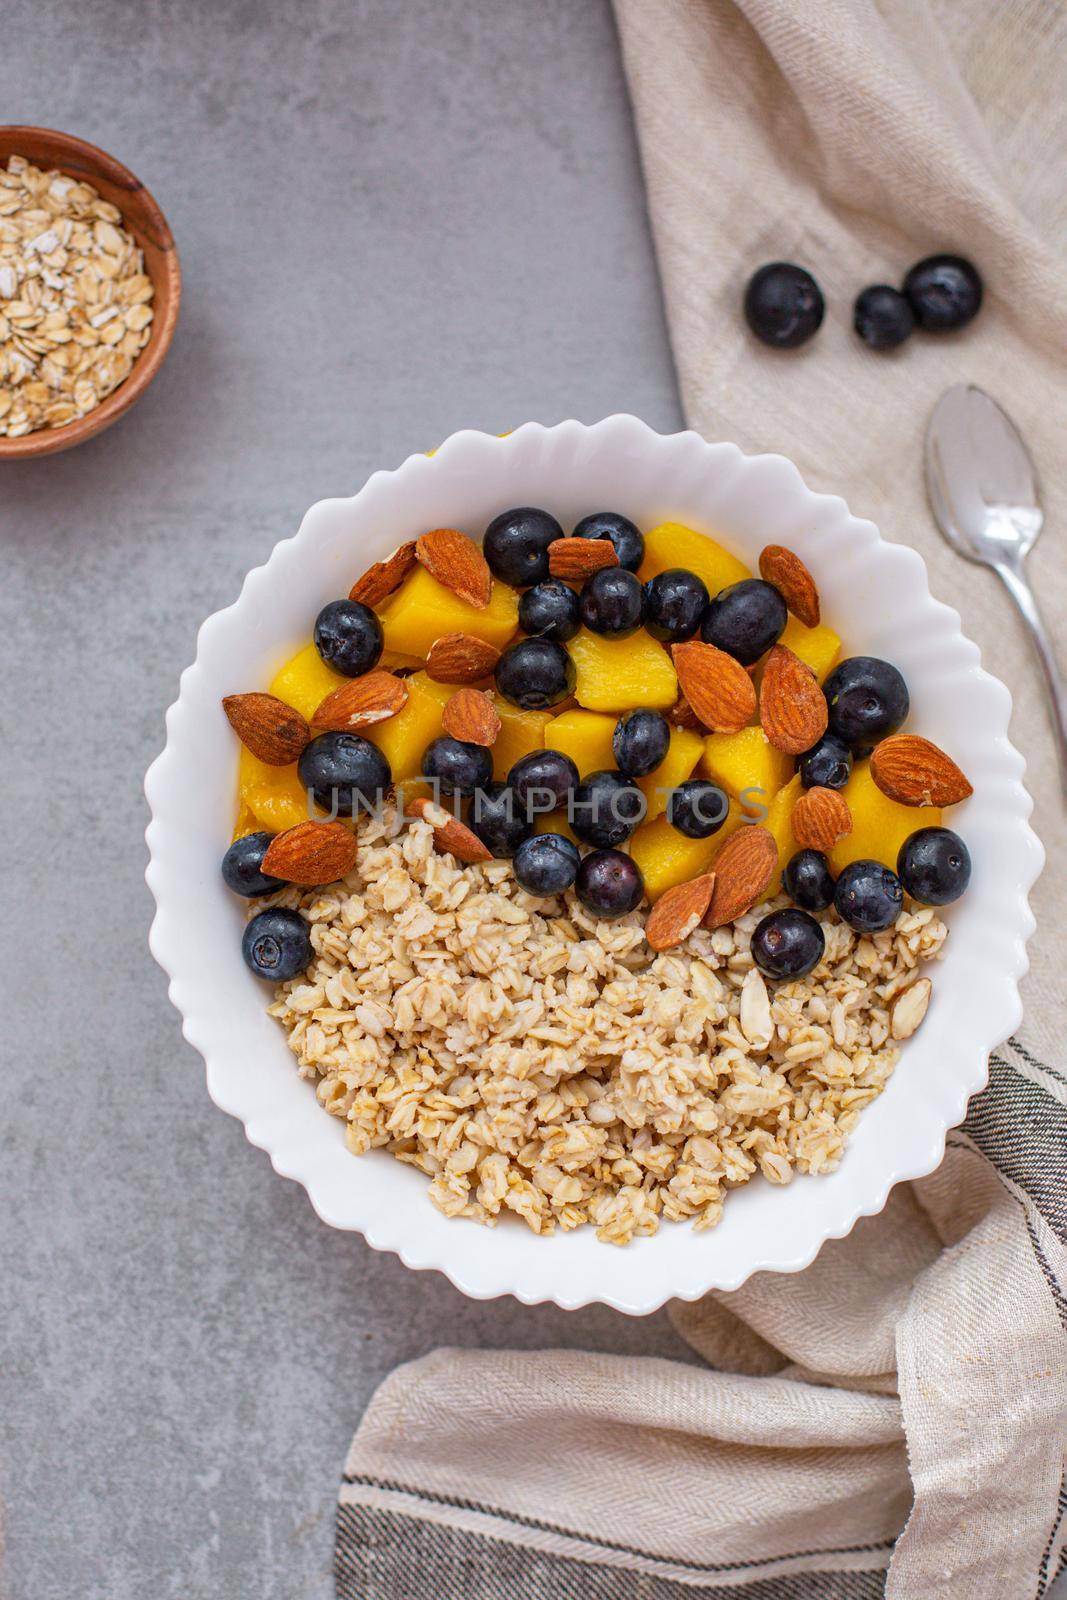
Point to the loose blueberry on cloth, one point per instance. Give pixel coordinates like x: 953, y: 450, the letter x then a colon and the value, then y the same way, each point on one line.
x: 889, y: 1421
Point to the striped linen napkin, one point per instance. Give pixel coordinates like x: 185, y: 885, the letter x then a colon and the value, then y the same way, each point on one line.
x: 892, y: 1420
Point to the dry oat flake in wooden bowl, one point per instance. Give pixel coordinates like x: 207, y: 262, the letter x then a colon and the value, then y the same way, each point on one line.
x: 89, y: 290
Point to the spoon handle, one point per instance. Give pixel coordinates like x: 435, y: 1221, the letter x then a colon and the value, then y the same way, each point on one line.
x: 1014, y: 580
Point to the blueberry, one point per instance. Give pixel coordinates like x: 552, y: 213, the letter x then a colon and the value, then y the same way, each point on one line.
x: 516, y: 545
x: 745, y: 619
x: 787, y: 944
x: 459, y: 766
x: 606, y: 808
x: 640, y: 742
x: 827, y: 765
x: 675, y: 602
x: 348, y: 637
x: 242, y: 863
x: 612, y: 602
x: 808, y: 881
x: 277, y: 944
x: 697, y: 808
x: 543, y: 780
x: 535, y: 674
x: 628, y: 540
x: 344, y: 772
x: 550, y: 611
x: 547, y: 863
x: 882, y: 317
x: 945, y: 292
x: 868, y: 699
x: 934, y: 866
x: 609, y: 884
x: 783, y: 305
x: 868, y: 896
x: 498, y: 817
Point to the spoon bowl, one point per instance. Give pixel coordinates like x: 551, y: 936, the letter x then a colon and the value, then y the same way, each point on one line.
x: 982, y: 483
x: 985, y: 495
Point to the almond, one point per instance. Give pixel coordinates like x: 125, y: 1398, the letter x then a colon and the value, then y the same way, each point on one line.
x: 449, y: 834
x: 718, y: 689
x: 456, y: 561
x: 460, y: 658
x: 743, y: 869
x: 682, y: 715
x: 917, y: 773
x: 471, y: 715
x: 677, y: 912
x: 820, y: 818
x: 273, y: 731
x: 359, y: 704
x: 792, y: 579
x: 574, y: 560
x: 311, y: 853
x: 379, y: 581
x: 792, y: 707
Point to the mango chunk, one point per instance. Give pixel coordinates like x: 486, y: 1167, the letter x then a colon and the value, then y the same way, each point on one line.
x: 403, y: 739
x: 422, y: 610
x: 393, y: 661
x: 520, y: 732
x: 879, y: 825
x: 746, y: 761
x: 667, y: 858
x: 305, y: 681
x: 818, y: 647
x: 673, y: 545
x: 246, y: 821
x: 424, y: 684
x: 585, y: 736
x: 619, y: 674
x: 409, y: 789
x: 554, y: 822
x: 683, y: 753
x: 274, y: 795
x: 780, y: 823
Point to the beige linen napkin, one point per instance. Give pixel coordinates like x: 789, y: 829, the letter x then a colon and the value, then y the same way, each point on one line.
x: 893, y: 1419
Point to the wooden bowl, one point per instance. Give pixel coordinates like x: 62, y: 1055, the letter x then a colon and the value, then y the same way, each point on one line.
x: 142, y: 217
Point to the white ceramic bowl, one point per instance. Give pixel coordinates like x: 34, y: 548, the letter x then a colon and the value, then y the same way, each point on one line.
x: 875, y: 593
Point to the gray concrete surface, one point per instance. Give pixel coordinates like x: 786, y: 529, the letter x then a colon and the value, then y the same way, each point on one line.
x: 394, y: 220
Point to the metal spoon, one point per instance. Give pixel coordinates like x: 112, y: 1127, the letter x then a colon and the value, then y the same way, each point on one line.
x: 984, y: 493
